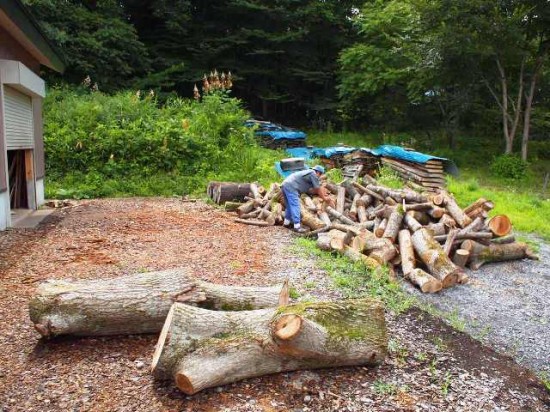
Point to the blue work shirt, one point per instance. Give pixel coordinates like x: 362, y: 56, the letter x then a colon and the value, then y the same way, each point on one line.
x: 302, y: 181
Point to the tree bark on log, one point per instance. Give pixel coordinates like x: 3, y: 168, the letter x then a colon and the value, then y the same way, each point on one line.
x: 461, y: 218
x: 408, y: 261
x: 133, y: 304
x: 341, y: 200
x: 461, y: 258
x: 379, y: 231
x: 504, y: 239
x: 309, y: 219
x: 232, y: 206
x: 394, y: 224
x: 247, y: 207
x: 447, y: 221
x: 473, y: 206
x: 227, y: 191
x: 337, y: 215
x: 432, y: 254
x: 200, y: 349
x: 412, y: 223
x: 480, y: 254
x: 426, y: 282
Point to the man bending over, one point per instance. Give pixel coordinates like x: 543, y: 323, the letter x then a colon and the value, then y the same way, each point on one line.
x: 304, y: 181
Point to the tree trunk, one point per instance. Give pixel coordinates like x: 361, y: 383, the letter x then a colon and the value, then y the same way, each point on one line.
x: 432, y: 254
x: 529, y: 103
x: 202, y: 349
x: 133, y: 304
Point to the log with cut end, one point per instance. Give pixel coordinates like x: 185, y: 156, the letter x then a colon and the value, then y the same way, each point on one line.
x: 433, y: 256
x: 394, y: 224
x: 337, y: 215
x: 481, y: 254
x: 309, y: 219
x: 200, y: 349
x: 227, y: 191
x: 461, y: 257
x: 500, y: 225
x: 461, y: 218
x: 426, y: 282
x: 406, y: 250
x: 341, y: 199
x: 411, y: 222
x: 133, y: 304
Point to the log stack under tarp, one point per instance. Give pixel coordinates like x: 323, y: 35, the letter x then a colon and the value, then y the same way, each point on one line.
x: 425, y: 233
x: 429, y: 175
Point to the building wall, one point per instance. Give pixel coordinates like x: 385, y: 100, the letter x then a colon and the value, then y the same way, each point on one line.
x: 10, y: 49
x: 3, y: 154
x: 39, y: 165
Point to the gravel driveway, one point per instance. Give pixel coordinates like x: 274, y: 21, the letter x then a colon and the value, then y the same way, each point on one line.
x: 506, y: 305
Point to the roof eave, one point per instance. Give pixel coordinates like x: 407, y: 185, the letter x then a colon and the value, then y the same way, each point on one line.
x: 28, y: 25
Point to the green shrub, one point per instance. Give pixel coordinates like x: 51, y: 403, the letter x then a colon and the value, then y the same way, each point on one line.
x: 128, y: 144
x: 509, y: 167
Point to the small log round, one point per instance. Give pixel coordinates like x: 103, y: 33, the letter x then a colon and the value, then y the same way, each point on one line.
x: 461, y: 257
x: 426, y: 282
x: 500, y: 225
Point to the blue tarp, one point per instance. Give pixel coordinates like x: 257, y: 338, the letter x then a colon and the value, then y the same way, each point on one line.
x: 282, y: 134
x: 331, y: 151
x: 305, y: 152
x: 397, y: 152
x: 284, y: 173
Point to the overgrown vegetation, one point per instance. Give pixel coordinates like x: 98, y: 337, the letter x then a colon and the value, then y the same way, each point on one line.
x: 128, y: 144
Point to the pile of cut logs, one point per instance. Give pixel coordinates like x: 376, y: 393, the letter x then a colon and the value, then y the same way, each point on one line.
x: 428, y: 235
x: 212, y: 334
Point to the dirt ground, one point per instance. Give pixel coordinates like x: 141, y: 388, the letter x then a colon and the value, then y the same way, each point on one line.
x: 430, y: 366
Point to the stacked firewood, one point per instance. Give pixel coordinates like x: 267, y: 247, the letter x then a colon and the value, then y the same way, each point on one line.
x: 430, y: 175
x: 428, y: 235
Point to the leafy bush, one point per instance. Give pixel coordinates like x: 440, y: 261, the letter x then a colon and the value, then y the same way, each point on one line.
x: 100, y: 145
x: 509, y: 166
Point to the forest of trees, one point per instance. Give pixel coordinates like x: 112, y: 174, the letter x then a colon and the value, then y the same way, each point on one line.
x: 446, y: 65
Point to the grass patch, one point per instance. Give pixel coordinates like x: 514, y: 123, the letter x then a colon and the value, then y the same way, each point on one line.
x: 528, y: 212
x: 354, y: 279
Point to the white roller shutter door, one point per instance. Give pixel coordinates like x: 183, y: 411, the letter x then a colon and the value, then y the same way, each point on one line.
x: 18, y: 119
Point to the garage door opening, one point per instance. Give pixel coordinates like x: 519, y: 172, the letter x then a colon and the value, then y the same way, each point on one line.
x: 17, y: 171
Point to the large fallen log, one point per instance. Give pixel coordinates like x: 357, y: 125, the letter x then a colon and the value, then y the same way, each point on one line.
x: 481, y: 254
x: 221, y: 192
x: 202, y: 349
x: 133, y: 304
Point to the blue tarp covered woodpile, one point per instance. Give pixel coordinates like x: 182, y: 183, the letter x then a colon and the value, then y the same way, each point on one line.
x: 423, y: 169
